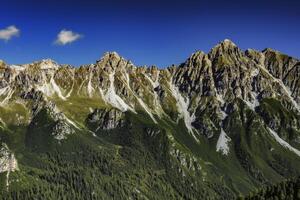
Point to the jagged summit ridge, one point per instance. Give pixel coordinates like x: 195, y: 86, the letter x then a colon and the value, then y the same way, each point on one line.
x: 225, y: 74
x: 115, y: 56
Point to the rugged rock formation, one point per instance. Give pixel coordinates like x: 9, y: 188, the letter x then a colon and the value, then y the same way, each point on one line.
x: 229, y: 114
x: 8, y: 162
x: 106, y: 119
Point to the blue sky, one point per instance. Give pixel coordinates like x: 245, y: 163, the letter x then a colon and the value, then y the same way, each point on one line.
x: 146, y: 32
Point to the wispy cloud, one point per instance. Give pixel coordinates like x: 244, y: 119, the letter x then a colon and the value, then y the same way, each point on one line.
x: 9, y: 32
x: 66, y: 37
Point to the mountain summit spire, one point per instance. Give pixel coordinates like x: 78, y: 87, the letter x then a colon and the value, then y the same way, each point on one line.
x: 228, y: 42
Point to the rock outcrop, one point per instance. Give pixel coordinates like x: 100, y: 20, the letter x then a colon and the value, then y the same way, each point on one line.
x: 106, y: 119
x: 8, y: 162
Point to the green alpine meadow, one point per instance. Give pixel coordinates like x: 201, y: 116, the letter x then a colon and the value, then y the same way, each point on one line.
x: 221, y: 125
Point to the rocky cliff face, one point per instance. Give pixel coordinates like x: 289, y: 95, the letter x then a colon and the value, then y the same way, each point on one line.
x: 227, y: 100
x: 7, y: 160
x: 106, y: 119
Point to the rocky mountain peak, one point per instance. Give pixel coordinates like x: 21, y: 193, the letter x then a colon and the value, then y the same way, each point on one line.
x: 47, y: 64
x: 225, y: 45
x: 2, y: 64
x: 111, y: 55
x: 112, y: 61
x: 254, y: 55
x: 228, y: 42
x: 197, y: 59
x: 47, y: 61
x: 270, y: 50
x: 225, y: 52
x: 276, y: 56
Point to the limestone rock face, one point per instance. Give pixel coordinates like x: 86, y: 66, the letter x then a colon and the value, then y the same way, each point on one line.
x: 285, y: 68
x: 106, y: 119
x: 8, y: 162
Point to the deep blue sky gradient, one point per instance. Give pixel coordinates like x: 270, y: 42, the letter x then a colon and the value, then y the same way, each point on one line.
x: 146, y: 32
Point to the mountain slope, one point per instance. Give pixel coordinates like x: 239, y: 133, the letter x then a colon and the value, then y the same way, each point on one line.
x: 217, y: 126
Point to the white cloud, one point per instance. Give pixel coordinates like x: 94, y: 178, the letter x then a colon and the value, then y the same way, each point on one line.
x: 9, y: 32
x: 65, y: 37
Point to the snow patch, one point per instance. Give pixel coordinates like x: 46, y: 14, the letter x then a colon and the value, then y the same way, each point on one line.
x: 114, y: 99
x: 71, y: 122
x: 93, y: 133
x: 155, y: 83
x: 254, y: 102
x: 127, y: 78
x: 141, y: 102
x: 71, y: 90
x: 289, y: 94
x: 283, y: 143
x: 51, y: 88
x: 45, y: 89
x: 56, y: 89
x: 81, y: 85
x: 90, y: 88
x: 222, y: 144
x: 182, y: 106
x: 102, y: 94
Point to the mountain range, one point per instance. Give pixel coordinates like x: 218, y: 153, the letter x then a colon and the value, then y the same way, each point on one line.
x: 217, y: 126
